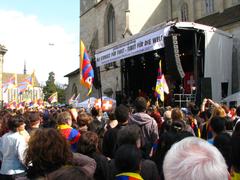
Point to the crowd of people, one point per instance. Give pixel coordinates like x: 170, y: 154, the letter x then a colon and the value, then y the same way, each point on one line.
x: 137, y: 141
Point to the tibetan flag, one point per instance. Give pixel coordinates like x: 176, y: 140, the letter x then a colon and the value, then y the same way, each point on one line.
x: 86, y: 70
x: 28, y: 82
x: 129, y: 176
x: 53, y: 98
x: 11, y: 83
x: 161, y: 84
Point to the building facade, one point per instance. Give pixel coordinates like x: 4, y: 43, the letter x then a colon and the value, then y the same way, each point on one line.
x: 104, y: 22
x: 8, y: 94
x: 31, y: 94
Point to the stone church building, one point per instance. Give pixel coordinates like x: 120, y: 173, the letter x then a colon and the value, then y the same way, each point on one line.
x: 107, y: 22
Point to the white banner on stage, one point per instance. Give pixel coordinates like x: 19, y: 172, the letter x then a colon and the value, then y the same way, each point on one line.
x: 134, y: 46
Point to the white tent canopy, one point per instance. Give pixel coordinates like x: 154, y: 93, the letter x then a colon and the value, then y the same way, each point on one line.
x: 232, y: 98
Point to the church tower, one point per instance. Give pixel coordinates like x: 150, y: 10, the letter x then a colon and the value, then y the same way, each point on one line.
x: 3, y: 51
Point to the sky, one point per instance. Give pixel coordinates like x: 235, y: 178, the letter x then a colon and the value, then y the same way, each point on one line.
x: 42, y: 33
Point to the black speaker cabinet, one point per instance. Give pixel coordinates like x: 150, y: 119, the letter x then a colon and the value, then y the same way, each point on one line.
x: 206, y: 88
x: 172, y: 58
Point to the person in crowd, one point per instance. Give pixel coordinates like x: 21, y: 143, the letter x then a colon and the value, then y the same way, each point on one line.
x: 64, y: 127
x: 69, y: 173
x: 74, y: 114
x: 34, y: 118
x: 195, y: 120
x: 83, y: 121
x: 179, y: 119
x: 232, y: 112
x: 228, y: 120
x: 88, y: 145
x: 193, y: 158
x: 235, y: 157
x: 205, y: 115
x: 217, y: 111
x: 173, y: 134
x: 48, y: 151
x: 236, y: 131
x: 128, y: 162
x: 167, y: 121
x: 156, y: 115
x: 223, y: 143
x: 112, y: 122
x: 110, y: 137
x: 237, y: 118
x: 4, y: 116
x: 12, y: 147
x: 217, y: 126
x: 131, y: 134
x: 97, y: 124
x: 147, y: 124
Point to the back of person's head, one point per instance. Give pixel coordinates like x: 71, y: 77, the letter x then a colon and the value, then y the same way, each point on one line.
x: 34, y: 118
x: 84, y: 119
x: 88, y: 143
x: 223, y: 143
x: 122, y: 113
x: 218, y: 124
x: 194, y: 109
x: 47, y: 150
x: 218, y: 112
x: 14, y: 122
x: 128, y: 158
x: 194, y: 158
x: 167, y: 115
x: 226, y: 108
x: 140, y: 104
x: 64, y: 117
x: 177, y: 114
x: 236, y: 131
x: 178, y: 126
x: 94, y: 112
x: 235, y: 155
x: 128, y: 135
x: 111, y: 116
x: 69, y: 173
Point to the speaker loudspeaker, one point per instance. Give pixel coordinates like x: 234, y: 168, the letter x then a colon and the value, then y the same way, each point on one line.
x: 173, y: 62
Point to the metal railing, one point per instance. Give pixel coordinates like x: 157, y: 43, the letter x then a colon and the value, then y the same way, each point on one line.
x: 182, y: 100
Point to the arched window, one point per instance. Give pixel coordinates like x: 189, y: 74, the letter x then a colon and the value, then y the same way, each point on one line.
x: 111, y: 25
x: 184, y: 12
x: 74, y: 89
x: 209, y: 6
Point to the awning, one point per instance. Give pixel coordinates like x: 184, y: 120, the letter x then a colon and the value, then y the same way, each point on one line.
x: 149, y: 40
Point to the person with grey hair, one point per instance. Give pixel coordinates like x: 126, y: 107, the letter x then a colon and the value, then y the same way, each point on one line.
x: 194, y: 159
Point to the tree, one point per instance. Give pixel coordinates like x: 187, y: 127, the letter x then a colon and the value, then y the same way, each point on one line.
x: 51, y: 88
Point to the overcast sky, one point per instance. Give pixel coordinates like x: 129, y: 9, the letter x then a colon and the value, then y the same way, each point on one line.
x: 44, y: 33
